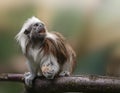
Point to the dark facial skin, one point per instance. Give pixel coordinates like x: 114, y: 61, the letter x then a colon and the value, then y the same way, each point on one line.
x: 36, y: 32
x: 38, y: 27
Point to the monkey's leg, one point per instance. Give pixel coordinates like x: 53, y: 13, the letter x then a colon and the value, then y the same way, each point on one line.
x: 29, y: 76
x: 66, y: 69
x: 50, y: 69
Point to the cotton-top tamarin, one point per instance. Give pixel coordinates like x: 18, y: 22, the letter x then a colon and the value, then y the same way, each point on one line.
x: 48, y: 54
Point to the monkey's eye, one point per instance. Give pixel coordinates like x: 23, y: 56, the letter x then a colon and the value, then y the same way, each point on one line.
x: 36, y: 24
x: 26, y: 32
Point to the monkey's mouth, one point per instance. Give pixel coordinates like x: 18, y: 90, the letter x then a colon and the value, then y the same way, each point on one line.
x: 38, y: 35
x: 41, y: 31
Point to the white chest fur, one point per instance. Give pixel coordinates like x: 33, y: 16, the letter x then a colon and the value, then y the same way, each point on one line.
x: 34, y: 54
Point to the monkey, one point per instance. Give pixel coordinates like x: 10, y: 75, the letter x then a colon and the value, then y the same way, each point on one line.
x: 48, y: 54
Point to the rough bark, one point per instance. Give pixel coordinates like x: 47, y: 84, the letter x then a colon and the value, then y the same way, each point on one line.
x: 90, y: 83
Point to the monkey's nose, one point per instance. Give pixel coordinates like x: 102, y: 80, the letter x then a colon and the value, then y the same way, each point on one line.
x: 41, y: 29
x: 38, y: 27
x: 41, y: 25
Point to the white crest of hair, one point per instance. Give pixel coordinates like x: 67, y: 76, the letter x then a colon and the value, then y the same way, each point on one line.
x: 21, y: 37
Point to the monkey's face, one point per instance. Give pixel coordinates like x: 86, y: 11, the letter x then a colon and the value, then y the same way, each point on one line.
x: 36, y: 31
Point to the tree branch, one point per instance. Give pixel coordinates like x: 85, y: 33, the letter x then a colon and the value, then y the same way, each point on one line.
x: 12, y: 77
x: 91, y: 83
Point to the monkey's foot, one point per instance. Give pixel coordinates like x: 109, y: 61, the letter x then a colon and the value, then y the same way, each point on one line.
x: 28, y: 79
x: 48, y: 71
x: 64, y: 73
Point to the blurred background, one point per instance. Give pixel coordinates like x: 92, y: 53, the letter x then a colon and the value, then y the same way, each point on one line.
x: 92, y: 27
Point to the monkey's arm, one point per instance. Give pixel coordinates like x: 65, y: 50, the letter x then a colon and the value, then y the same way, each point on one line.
x: 29, y: 76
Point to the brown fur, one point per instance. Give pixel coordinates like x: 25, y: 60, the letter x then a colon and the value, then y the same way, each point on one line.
x: 59, y: 49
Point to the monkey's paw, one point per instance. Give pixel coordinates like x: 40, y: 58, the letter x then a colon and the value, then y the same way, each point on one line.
x: 28, y: 79
x: 48, y: 71
x: 64, y: 73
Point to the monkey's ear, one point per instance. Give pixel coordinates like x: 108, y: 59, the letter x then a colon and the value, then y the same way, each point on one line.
x: 26, y: 31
